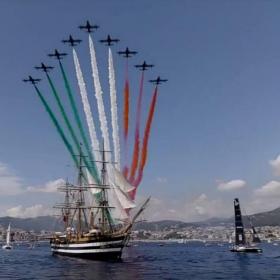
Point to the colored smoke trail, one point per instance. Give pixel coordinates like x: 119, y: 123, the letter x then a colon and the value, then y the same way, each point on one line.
x: 99, y: 99
x: 135, y: 159
x: 125, y: 171
x: 73, y: 105
x: 68, y: 124
x: 146, y: 137
x: 126, y: 120
x: 126, y: 110
x: 78, y: 120
x: 102, y: 117
x: 114, y: 111
x: 87, y: 110
x: 63, y: 113
x: 58, y: 127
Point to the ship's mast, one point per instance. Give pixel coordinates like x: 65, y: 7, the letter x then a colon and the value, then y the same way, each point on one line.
x: 75, y: 210
x: 66, y: 211
x: 80, y: 199
x: 105, y: 219
x: 81, y: 196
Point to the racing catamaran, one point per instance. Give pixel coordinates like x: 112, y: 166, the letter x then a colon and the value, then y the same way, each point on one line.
x: 241, y: 244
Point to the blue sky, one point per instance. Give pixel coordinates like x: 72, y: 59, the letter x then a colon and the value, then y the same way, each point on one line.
x: 217, y: 119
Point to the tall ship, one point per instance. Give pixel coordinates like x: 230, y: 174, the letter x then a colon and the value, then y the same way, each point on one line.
x: 91, y: 229
x: 242, y: 245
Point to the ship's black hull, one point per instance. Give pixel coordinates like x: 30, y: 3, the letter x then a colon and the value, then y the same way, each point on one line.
x: 246, y: 250
x: 113, y: 256
x: 95, y: 249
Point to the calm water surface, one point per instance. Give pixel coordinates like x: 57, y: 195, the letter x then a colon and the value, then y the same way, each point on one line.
x: 145, y: 261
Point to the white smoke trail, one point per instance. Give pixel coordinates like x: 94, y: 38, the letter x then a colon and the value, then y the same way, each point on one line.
x: 114, y: 110
x: 99, y: 99
x: 119, y: 206
x: 87, y: 110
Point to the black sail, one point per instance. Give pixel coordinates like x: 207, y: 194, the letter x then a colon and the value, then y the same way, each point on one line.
x: 239, y: 228
x: 256, y: 238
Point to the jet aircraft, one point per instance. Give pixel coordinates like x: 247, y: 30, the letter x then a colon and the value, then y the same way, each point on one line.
x: 109, y: 41
x: 144, y: 66
x: 158, y: 81
x: 127, y: 53
x: 31, y: 80
x: 57, y: 54
x: 44, y: 67
x: 72, y: 42
x: 89, y: 28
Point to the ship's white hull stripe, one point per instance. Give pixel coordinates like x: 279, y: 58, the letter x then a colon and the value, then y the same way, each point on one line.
x: 94, y: 244
x: 86, y: 251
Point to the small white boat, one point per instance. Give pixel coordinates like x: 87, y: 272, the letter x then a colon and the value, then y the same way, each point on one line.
x: 8, y: 245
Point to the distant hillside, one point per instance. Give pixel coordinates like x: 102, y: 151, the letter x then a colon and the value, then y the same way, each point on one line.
x: 37, y: 224
x: 161, y: 225
x: 270, y: 218
x: 49, y: 223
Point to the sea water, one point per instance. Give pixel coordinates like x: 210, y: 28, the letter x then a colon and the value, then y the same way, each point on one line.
x: 145, y: 261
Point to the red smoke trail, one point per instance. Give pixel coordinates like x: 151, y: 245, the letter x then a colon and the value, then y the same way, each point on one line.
x: 146, y: 137
x: 126, y: 109
x: 126, y: 120
x: 125, y: 171
x: 126, y: 105
x: 134, y: 163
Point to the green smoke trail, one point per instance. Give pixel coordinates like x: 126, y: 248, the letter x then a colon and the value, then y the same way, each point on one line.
x: 59, y: 129
x: 81, y: 129
x: 68, y: 124
x: 61, y: 108
x: 63, y: 137
x: 93, y: 169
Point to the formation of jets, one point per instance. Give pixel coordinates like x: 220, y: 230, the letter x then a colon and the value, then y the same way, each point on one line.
x: 72, y: 42
x: 108, y: 41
